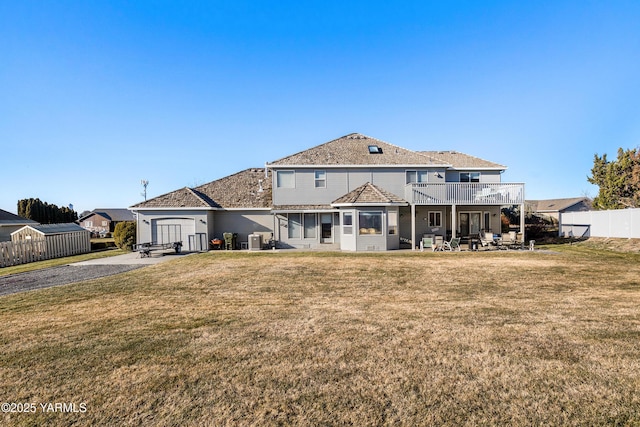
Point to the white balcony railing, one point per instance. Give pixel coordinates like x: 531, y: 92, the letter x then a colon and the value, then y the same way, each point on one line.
x: 463, y: 193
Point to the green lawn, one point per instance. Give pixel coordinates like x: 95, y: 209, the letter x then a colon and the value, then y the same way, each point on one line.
x: 302, y: 338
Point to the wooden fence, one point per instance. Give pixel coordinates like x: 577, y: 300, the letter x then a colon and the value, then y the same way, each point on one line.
x: 53, y: 246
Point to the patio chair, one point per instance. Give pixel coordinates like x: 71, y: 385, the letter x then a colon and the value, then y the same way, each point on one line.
x: 439, y: 243
x: 453, y: 244
x: 486, y: 239
x: 427, y: 243
x: 510, y: 241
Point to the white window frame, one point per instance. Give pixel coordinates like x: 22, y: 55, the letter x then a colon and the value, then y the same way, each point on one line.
x: 419, y: 175
x: 392, y: 223
x: 436, y: 214
x: 360, y: 227
x: 320, y: 181
x: 309, y: 233
x: 486, y: 218
x: 291, y: 235
x: 280, y: 182
x: 471, y: 176
x: 347, y: 225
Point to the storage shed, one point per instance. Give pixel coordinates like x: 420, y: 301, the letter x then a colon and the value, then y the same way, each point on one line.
x: 60, y: 239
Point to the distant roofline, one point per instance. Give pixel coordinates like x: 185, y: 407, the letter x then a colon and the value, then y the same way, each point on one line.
x: 368, y: 166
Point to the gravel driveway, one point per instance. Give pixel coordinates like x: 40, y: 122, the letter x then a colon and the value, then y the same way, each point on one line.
x: 78, y: 272
x: 55, y: 276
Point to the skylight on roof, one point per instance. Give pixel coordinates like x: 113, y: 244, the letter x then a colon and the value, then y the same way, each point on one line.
x: 374, y: 149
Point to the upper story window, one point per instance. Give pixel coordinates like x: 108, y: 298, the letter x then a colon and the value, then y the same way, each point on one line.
x: 469, y: 176
x: 320, y: 179
x: 416, y: 176
x: 285, y: 179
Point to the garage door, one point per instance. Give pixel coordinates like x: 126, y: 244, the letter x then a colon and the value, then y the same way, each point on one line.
x: 169, y: 230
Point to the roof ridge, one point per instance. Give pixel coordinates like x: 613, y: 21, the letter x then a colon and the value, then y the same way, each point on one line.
x: 199, y: 195
x: 459, y: 152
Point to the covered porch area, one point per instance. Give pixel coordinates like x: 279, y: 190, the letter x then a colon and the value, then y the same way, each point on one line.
x: 458, y: 209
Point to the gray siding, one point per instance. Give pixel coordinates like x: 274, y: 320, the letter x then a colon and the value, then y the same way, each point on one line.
x: 197, y: 220
x: 492, y: 177
x: 244, y: 223
x: 340, y: 181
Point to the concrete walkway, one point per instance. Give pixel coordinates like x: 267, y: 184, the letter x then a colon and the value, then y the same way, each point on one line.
x: 132, y: 258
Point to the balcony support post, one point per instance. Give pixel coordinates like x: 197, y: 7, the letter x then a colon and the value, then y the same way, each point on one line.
x: 413, y: 226
x: 454, y: 223
x: 522, y: 213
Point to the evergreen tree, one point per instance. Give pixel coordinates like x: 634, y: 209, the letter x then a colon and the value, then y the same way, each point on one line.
x: 45, y: 213
x: 619, y: 180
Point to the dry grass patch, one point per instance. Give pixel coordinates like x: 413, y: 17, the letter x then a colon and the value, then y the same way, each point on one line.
x: 514, y: 338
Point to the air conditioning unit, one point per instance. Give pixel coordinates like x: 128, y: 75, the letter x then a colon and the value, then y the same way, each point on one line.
x: 255, y: 242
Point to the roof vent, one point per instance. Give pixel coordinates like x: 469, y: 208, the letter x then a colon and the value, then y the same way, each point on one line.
x: 374, y: 149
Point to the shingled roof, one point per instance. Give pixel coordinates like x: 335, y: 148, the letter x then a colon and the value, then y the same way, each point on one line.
x: 113, y: 214
x: 460, y: 160
x: 353, y: 149
x: 247, y: 189
x: 556, y: 205
x: 7, y: 218
x: 240, y: 190
x: 368, y: 194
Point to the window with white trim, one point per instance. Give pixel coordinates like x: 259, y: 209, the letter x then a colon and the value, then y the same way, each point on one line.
x: 469, y: 176
x: 294, y: 224
x: 310, y: 226
x: 416, y: 176
x: 435, y: 219
x: 320, y: 179
x: 392, y: 219
x: 285, y: 179
x: 370, y: 222
x: 347, y: 223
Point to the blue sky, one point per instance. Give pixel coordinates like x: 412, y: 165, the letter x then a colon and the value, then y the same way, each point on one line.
x: 95, y: 96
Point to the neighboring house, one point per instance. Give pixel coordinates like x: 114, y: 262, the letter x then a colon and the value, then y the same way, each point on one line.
x: 10, y: 222
x: 354, y: 193
x: 105, y: 220
x: 552, y: 208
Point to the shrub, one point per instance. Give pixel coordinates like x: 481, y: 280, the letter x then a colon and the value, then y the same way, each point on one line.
x: 124, y: 235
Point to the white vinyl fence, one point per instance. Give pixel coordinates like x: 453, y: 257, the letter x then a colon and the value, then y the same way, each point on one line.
x: 622, y: 223
x: 57, y: 246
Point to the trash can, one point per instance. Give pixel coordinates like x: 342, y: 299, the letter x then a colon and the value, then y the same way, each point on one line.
x: 473, y: 244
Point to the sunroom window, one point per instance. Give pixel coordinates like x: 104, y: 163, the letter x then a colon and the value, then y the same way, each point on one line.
x: 370, y: 222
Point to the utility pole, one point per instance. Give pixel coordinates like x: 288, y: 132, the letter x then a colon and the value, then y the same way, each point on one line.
x: 144, y: 183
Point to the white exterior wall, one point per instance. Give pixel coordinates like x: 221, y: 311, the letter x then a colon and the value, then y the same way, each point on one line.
x: 620, y: 223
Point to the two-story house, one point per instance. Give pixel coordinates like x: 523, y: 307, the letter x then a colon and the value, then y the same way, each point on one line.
x: 105, y: 220
x: 353, y: 193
